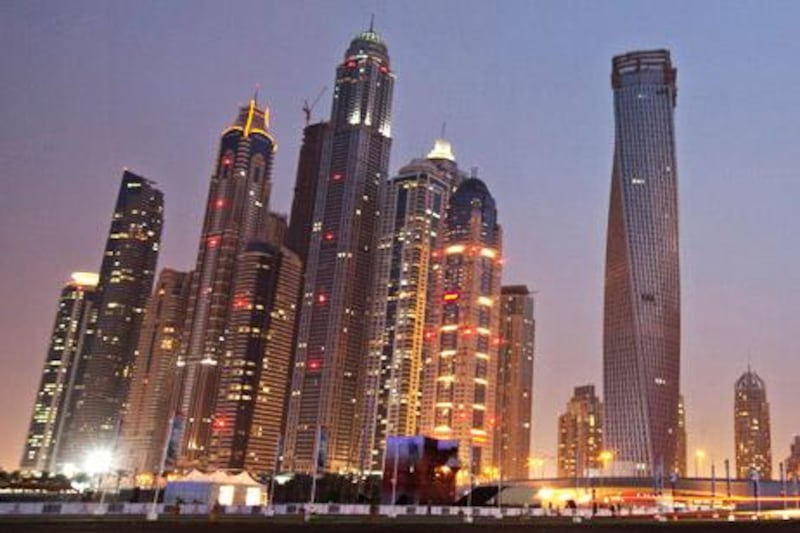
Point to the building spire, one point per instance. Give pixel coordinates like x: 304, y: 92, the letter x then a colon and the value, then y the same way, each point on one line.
x: 372, y: 22
x: 255, y: 93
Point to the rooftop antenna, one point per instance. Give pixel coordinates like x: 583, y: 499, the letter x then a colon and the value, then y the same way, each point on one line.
x: 444, y: 128
x: 255, y: 93
x: 371, y: 22
x: 307, y: 108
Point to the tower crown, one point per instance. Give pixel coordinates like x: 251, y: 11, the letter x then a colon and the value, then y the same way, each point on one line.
x: 252, y: 119
x: 442, y: 149
x: 750, y: 380
x: 370, y: 43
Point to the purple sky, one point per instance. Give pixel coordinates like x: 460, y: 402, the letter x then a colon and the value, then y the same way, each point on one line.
x: 91, y: 87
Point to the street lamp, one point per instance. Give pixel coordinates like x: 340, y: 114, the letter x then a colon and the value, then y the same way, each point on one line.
x: 96, y: 464
x: 699, y: 455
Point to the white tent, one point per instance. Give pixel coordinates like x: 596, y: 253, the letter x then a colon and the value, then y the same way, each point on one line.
x: 215, y: 487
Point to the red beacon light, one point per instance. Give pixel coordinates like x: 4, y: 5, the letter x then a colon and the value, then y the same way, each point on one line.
x: 336, y: 176
x: 328, y: 236
x: 220, y: 203
x: 322, y: 298
x: 384, y: 69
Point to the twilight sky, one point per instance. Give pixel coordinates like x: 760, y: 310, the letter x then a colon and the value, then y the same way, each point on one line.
x: 91, y: 87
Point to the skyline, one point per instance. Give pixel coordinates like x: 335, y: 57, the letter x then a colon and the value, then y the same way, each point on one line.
x: 560, y: 301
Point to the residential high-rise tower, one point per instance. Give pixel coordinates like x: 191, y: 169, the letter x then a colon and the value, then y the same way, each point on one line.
x: 331, y: 343
x: 793, y: 461
x: 751, y: 427
x: 465, y: 358
x: 413, y: 214
x: 515, y: 381
x: 236, y: 214
x: 256, y: 365
x: 580, y: 434
x: 641, y: 330
x: 67, y: 340
x: 125, y: 280
x: 153, y: 391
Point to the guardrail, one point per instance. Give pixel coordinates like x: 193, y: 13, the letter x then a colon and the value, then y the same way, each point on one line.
x: 142, y: 509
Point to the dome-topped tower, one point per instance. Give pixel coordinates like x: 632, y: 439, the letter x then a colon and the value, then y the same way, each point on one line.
x: 470, y: 196
x: 751, y: 425
x: 368, y: 42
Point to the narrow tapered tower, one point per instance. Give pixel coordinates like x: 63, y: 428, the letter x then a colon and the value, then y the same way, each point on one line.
x: 641, y: 330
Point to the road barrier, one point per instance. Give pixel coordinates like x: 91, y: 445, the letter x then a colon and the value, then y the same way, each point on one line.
x: 196, y: 509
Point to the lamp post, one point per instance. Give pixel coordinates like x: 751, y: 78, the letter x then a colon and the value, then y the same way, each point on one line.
x: 96, y: 464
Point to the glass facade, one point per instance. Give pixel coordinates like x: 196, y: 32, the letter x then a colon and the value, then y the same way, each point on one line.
x: 70, y: 332
x: 126, y: 276
x: 236, y: 214
x: 641, y: 344
x: 332, y: 333
x: 406, y: 265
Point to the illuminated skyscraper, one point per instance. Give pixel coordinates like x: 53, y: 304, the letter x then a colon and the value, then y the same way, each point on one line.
x: 641, y: 330
x: 256, y: 365
x: 67, y: 340
x: 236, y: 214
x: 124, y: 284
x: 752, y: 427
x: 153, y: 392
x: 413, y: 210
x: 465, y: 360
x: 515, y: 381
x: 580, y: 434
x: 331, y: 343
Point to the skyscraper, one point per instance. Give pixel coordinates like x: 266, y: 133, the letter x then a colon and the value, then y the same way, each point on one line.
x: 515, y: 381
x: 465, y: 360
x: 256, y: 365
x: 236, y: 214
x: 67, y: 341
x: 153, y: 391
x: 793, y: 461
x: 641, y: 330
x: 751, y: 427
x: 331, y: 341
x: 305, y: 189
x: 124, y: 284
x: 414, y: 205
x: 580, y: 434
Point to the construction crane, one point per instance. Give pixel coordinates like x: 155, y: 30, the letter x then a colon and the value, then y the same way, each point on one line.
x: 307, y: 108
